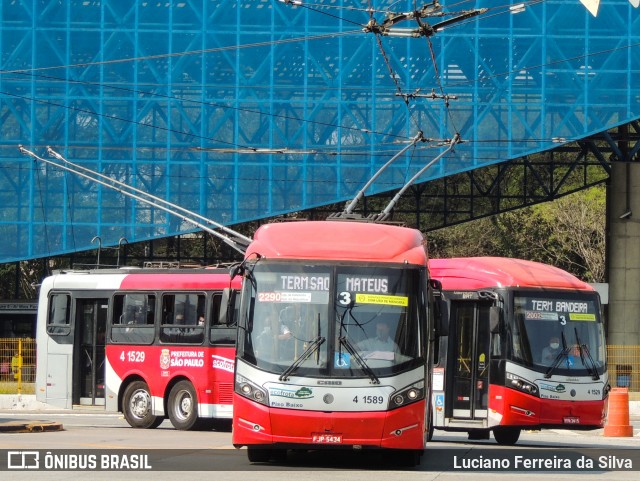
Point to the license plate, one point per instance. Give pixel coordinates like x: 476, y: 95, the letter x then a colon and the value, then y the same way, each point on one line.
x: 326, y: 438
x: 571, y: 420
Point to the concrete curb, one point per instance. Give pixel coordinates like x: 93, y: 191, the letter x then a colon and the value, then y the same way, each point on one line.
x: 28, y: 402
x: 22, y: 402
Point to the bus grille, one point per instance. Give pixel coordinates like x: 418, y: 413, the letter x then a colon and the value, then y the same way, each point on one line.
x: 225, y: 393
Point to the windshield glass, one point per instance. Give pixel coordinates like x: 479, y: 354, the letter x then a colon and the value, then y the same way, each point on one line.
x: 285, y: 325
x: 559, y: 331
x: 376, y: 320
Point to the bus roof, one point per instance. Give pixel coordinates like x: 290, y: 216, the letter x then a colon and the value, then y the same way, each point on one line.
x: 199, y: 279
x: 339, y: 240
x: 469, y: 273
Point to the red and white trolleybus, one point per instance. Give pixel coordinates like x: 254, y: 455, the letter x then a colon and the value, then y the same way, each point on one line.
x: 151, y: 343
x: 334, y: 333
x: 525, y: 349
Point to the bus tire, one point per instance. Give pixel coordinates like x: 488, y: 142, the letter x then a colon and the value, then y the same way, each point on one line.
x: 409, y: 458
x: 279, y: 455
x: 182, y: 406
x: 258, y: 455
x: 505, y: 435
x: 137, y: 408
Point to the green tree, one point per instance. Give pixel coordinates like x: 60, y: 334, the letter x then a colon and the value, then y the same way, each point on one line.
x: 568, y: 233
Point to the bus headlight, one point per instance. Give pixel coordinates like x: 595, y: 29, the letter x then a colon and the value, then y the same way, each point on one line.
x: 519, y: 384
x: 246, y: 388
x: 407, y: 395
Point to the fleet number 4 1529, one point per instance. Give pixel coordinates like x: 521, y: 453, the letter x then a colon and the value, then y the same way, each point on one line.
x: 132, y: 356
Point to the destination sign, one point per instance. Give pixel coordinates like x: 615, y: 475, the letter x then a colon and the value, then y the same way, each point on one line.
x: 304, y: 283
x: 377, y: 285
x: 559, y: 306
x: 560, y: 309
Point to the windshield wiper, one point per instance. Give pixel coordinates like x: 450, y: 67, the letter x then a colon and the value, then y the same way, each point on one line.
x: 591, y: 368
x: 365, y: 367
x: 556, y: 361
x: 311, y: 348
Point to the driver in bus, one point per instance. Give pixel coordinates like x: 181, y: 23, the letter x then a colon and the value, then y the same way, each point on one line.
x: 550, y: 352
x: 274, y: 331
x: 381, y: 342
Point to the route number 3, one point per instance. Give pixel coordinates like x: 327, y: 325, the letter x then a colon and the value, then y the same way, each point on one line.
x: 344, y: 298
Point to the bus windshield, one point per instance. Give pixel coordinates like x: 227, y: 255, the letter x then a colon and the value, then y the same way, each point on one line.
x: 559, y: 333
x: 345, y: 321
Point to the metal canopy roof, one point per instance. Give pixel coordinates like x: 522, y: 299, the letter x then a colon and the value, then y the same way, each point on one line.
x: 243, y: 110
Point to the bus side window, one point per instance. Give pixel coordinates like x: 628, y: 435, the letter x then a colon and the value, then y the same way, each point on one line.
x: 59, y: 318
x: 132, y: 318
x: 180, y: 318
x: 220, y: 333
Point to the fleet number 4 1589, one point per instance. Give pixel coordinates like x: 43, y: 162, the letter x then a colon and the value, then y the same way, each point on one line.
x: 369, y: 399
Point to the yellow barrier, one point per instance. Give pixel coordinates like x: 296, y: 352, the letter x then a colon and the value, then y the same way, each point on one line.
x: 17, y: 365
x: 624, y: 367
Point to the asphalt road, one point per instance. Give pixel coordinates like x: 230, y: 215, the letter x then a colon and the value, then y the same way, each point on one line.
x: 209, y: 454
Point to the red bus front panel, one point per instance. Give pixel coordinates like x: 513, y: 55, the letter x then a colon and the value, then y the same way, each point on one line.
x: 515, y: 408
x: 401, y: 428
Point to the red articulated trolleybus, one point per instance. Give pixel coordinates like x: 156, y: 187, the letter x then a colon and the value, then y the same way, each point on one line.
x: 334, y: 332
x: 151, y: 343
x: 525, y: 349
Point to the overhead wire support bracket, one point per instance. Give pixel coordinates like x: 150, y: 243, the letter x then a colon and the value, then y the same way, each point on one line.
x: 348, y: 211
x: 388, y: 29
x: 374, y: 27
x: 238, y: 242
x: 433, y: 95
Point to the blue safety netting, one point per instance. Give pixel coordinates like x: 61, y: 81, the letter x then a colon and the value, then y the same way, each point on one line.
x: 243, y: 110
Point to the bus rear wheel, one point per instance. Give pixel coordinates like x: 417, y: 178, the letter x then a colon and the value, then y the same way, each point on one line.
x: 136, y: 406
x: 183, y: 406
x: 507, y: 436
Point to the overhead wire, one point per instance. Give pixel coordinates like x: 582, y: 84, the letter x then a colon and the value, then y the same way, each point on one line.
x: 190, y: 52
x: 249, y: 148
x: 206, y: 104
x: 394, y: 77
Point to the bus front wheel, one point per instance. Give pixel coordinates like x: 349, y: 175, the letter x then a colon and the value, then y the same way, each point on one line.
x: 183, y: 406
x: 136, y: 406
x: 258, y: 455
x: 506, y: 435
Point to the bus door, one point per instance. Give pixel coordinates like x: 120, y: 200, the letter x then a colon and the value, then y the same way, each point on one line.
x: 89, y: 351
x: 469, y: 344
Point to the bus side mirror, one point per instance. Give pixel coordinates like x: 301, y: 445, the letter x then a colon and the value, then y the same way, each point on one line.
x: 495, y: 319
x: 440, y: 309
x: 235, y: 270
x: 227, y: 305
x: 441, y: 315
